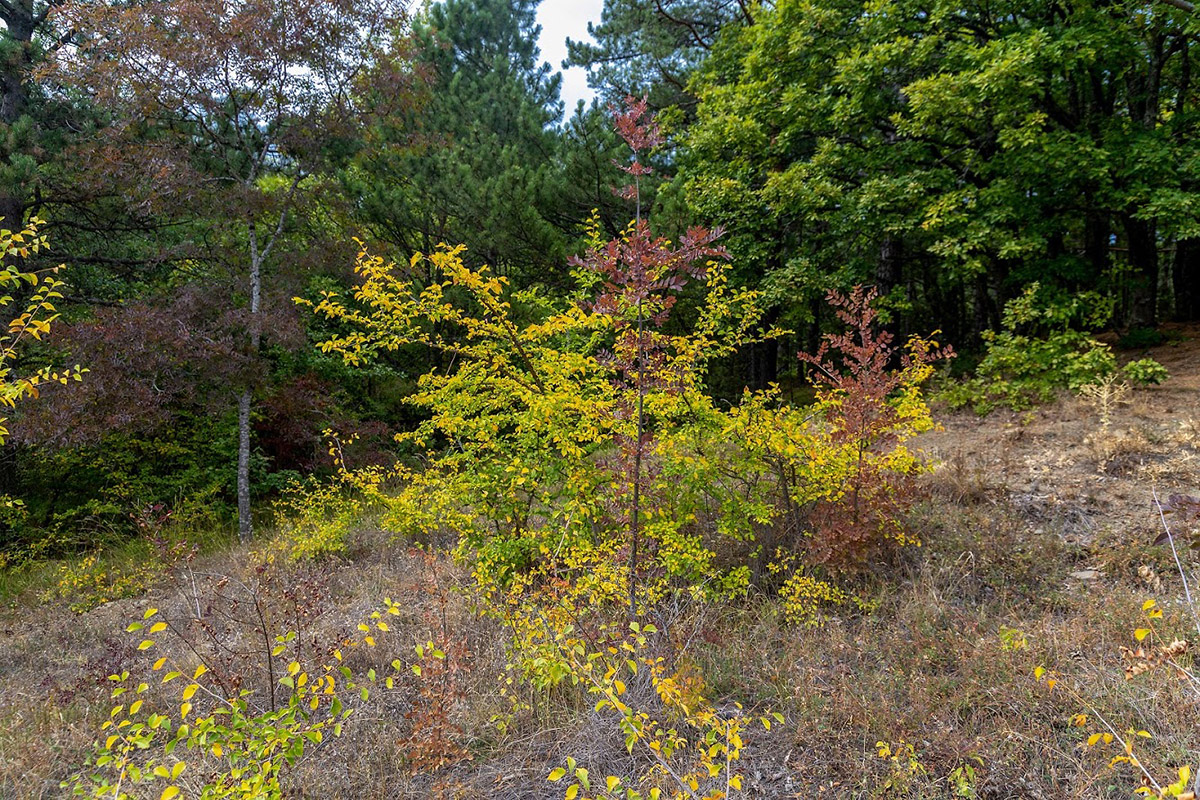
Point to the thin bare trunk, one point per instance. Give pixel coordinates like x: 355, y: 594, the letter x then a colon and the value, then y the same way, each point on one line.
x: 245, y: 521
x: 1143, y: 261
x: 245, y: 525
x: 258, y: 256
x: 635, y: 512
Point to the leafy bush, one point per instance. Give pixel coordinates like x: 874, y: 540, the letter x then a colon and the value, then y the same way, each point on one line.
x: 33, y: 322
x: 1145, y: 371
x: 571, y: 455
x: 1044, y: 347
x: 239, y: 737
x: 576, y: 437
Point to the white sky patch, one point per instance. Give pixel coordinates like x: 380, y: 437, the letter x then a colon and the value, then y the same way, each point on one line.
x: 560, y: 20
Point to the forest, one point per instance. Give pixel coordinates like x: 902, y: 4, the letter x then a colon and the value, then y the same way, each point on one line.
x: 814, y: 413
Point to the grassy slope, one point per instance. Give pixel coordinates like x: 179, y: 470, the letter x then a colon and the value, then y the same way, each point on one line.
x: 1034, y: 532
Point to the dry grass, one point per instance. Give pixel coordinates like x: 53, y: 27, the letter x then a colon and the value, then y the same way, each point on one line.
x: 930, y: 666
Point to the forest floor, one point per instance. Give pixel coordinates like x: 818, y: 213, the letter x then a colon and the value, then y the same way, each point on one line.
x: 1037, y: 551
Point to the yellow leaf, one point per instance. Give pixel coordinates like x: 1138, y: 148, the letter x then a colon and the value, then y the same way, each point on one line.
x: 556, y: 774
x: 169, y: 792
x: 1141, y: 633
x: 572, y: 792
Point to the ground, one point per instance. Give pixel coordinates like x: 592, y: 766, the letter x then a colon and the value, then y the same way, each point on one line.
x: 1037, y: 552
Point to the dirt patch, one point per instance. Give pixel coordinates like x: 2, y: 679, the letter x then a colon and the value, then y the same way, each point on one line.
x: 1062, y: 467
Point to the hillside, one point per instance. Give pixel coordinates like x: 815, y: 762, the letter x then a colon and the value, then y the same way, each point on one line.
x: 1036, y: 551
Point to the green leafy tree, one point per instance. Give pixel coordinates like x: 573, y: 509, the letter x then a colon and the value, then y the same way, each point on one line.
x: 951, y: 153
x: 25, y: 34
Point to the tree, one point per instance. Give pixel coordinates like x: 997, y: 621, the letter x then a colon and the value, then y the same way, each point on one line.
x: 950, y: 153
x: 652, y: 48
x: 479, y: 161
x: 25, y: 25
x: 236, y: 107
x: 54, y: 166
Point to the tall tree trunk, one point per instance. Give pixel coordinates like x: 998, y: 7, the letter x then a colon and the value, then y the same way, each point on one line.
x: 817, y: 303
x: 1143, y: 260
x: 1185, y: 279
x: 981, y: 307
x: 888, y: 271
x: 245, y: 521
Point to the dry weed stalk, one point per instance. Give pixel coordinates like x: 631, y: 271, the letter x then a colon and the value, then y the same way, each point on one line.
x: 1105, y: 395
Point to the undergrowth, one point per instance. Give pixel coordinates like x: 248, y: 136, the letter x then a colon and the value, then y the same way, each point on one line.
x: 1043, y: 347
x: 593, y: 580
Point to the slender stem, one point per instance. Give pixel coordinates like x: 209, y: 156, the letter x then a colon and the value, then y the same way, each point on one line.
x: 635, y: 511
x: 1187, y: 591
x: 635, y: 515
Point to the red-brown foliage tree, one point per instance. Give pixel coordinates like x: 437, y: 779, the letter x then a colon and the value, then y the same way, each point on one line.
x: 229, y: 110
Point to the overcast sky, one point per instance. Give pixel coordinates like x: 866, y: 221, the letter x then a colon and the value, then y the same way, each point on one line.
x: 561, y: 19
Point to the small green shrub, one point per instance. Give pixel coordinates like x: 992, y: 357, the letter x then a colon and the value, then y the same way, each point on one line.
x: 1145, y: 371
x: 238, y: 743
x: 1044, y: 347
